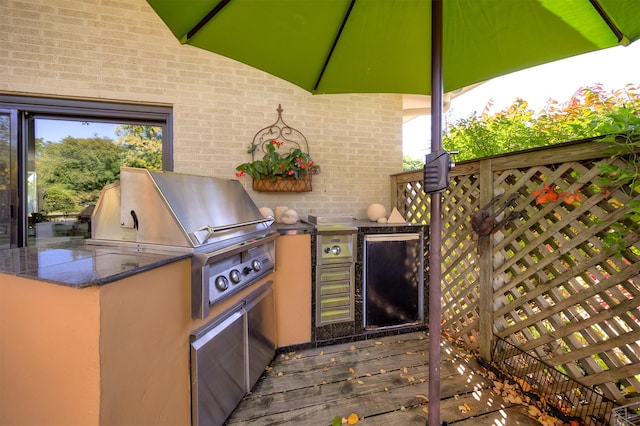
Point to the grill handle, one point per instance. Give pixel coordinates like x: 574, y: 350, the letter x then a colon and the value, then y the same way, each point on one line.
x: 204, y: 233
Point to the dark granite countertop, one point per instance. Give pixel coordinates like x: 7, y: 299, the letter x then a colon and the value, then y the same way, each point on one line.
x: 78, y: 264
x: 294, y: 229
x: 303, y: 227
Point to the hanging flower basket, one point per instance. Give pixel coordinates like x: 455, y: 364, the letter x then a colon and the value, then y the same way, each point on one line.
x: 285, y: 166
x: 282, y: 184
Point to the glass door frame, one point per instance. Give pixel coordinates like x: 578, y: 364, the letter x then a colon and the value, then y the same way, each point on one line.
x: 13, y: 184
x: 22, y: 111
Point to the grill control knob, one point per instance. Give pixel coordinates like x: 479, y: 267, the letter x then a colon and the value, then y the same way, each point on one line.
x: 256, y: 265
x: 235, y: 276
x: 246, y: 270
x: 335, y: 250
x: 327, y: 250
x: 222, y: 283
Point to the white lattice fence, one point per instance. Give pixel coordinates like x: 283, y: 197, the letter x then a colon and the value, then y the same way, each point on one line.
x: 559, y: 290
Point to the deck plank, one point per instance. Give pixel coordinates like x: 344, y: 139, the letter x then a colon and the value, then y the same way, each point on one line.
x: 384, y: 381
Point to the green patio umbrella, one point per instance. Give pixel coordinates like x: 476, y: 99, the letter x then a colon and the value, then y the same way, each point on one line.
x: 383, y: 46
x: 401, y: 46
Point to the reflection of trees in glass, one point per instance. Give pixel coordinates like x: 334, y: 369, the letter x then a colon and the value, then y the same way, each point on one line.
x: 72, y: 172
x: 142, y: 146
x: 4, y: 151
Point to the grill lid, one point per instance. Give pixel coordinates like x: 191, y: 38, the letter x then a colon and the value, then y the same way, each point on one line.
x: 173, y: 209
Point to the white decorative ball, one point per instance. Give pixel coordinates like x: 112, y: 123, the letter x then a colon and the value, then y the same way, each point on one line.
x: 382, y: 220
x: 376, y: 211
x: 266, y: 212
x: 289, y: 217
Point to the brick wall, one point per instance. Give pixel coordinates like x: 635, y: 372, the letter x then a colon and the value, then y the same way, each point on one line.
x: 120, y: 50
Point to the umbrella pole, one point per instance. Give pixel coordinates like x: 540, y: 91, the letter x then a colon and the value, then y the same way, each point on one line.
x: 435, y: 234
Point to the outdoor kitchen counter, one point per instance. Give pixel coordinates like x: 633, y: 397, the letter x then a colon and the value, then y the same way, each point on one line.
x: 78, y: 264
x: 78, y: 352
x: 394, y: 227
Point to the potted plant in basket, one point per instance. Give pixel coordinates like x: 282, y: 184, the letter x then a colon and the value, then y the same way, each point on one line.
x: 277, y: 172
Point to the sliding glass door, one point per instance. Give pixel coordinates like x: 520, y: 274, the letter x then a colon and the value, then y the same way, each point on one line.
x: 56, y: 156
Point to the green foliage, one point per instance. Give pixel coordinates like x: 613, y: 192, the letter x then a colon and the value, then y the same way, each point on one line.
x: 72, y: 172
x: 589, y: 113
x: 59, y: 198
x: 295, y: 164
x: 81, y: 166
x: 141, y: 146
x: 412, y: 163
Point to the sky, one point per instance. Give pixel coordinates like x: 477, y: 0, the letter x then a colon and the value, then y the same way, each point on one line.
x: 613, y: 68
x: 56, y: 130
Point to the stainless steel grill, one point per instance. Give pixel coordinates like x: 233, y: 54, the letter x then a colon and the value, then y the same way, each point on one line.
x: 232, y: 248
x: 215, y: 219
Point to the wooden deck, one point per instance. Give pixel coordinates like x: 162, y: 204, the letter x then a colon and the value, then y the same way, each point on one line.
x: 384, y: 381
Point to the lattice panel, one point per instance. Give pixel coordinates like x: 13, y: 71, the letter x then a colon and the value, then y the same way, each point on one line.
x: 460, y: 289
x: 560, y: 291
x: 412, y: 203
x: 563, y: 295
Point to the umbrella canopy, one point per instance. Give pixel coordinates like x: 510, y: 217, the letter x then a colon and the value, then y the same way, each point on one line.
x: 423, y: 47
x: 383, y: 46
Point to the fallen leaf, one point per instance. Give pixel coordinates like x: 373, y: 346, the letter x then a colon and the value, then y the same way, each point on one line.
x: 425, y: 409
x: 382, y: 371
x: 280, y: 373
x: 411, y: 379
x: 352, y: 419
x: 405, y: 370
x: 352, y: 347
x: 325, y: 369
x: 464, y: 408
x: 409, y: 353
x: 378, y: 343
x: 360, y: 382
x: 533, y: 411
x: 352, y: 371
x: 546, y: 420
